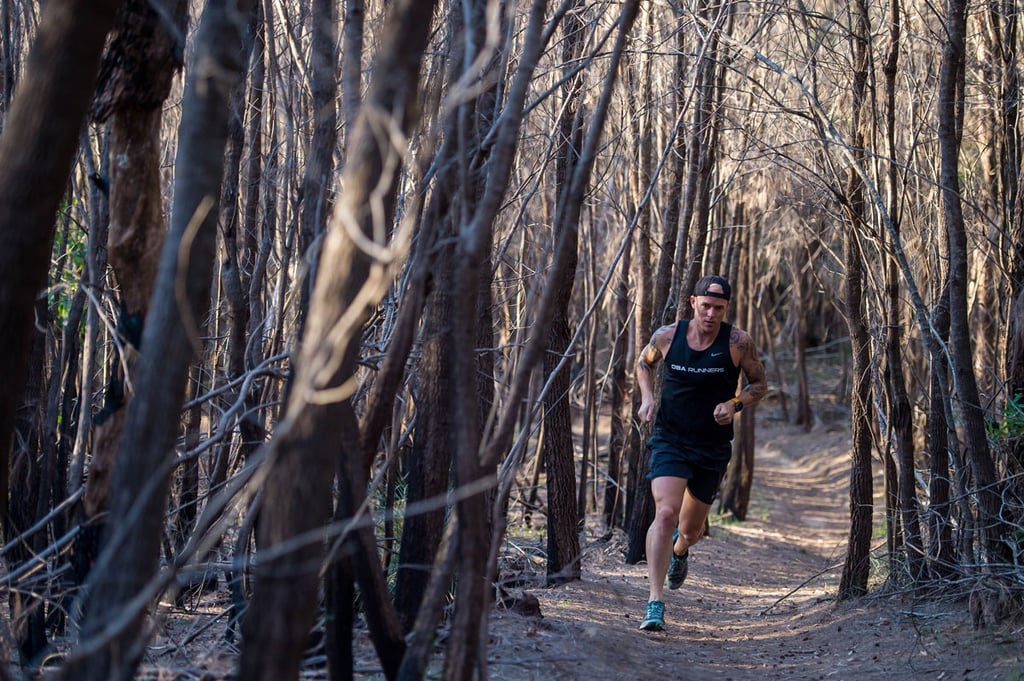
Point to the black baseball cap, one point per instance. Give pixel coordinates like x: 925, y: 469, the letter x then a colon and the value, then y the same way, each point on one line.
x: 713, y: 286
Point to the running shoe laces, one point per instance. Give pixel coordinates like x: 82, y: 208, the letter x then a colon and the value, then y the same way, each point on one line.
x: 654, y: 620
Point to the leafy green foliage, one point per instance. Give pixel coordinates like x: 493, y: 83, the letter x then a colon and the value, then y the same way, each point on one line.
x: 68, y: 259
x: 1007, y: 432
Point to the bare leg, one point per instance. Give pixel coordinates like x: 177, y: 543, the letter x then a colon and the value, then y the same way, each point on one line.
x: 692, y: 517
x: 668, y: 510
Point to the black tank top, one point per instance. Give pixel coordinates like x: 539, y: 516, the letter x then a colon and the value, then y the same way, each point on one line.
x: 695, y: 381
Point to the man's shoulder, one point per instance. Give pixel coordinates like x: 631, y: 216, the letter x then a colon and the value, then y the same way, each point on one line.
x: 740, y: 341
x: 737, y: 335
x: 665, y: 334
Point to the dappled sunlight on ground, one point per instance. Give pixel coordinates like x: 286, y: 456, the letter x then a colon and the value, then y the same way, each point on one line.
x: 759, y: 602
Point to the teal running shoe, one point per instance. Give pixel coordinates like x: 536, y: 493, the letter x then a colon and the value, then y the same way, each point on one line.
x: 654, y: 620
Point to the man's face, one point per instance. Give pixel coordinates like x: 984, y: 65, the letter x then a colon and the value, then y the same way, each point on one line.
x: 709, y: 311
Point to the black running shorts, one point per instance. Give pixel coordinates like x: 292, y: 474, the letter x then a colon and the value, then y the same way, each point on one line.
x: 702, y: 469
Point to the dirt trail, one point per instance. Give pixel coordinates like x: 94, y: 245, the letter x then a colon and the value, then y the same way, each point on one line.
x: 758, y: 602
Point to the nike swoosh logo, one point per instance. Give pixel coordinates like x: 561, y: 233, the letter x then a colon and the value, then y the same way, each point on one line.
x: 716, y: 354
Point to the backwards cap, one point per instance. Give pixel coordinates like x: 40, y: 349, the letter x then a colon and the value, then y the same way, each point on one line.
x: 713, y: 286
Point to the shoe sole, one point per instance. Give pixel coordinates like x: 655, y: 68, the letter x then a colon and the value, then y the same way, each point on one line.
x: 672, y: 584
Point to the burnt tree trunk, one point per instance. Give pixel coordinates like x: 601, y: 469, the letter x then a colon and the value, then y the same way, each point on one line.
x: 125, y: 573
x: 37, y: 148
x: 854, y: 579
x: 558, y: 449
x: 429, y: 461
x: 134, y: 81
x: 967, y: 399
x: 739, y: 478
x: 941, y: 437
x: 28, y: 610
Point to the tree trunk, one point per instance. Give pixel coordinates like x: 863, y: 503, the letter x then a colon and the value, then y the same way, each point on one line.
x: 303, y: 453
x: 6, y: 61
x: 695, y: 221
x: 430, y: 458
x: 624, y: 444
x: 801, y: 293
x: 429, y: 463
x: 28, y: 610
x: 854, y: 579
x: 941, y: 554
x: 352, y: 63
x: 134, y: 81
x: 613, y: 503
x: 122, y: 583
x: 1005, y: 17
x: 40, y: 136
x: 967, y: 399
x: 739, y: 478
x: 484, y: 179
x: 319, y: 170
x: 558, y: 448
x: 665, y: 302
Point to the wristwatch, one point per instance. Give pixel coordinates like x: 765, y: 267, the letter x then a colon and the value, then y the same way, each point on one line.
x: 737, y: 404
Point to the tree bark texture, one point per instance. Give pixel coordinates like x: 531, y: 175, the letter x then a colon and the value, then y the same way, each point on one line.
x: 429, y: 462
x: 303, y: 453
x: 941, y: 549
x: 967, y: 398
x: 122, y: 583
x: 40, y: 136
x: 558, y: 447
x: 146, y: 50
x: 739, y: 479
x: 854, y: 579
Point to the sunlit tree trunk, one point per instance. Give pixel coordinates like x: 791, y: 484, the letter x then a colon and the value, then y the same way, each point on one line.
x: 320, y: 420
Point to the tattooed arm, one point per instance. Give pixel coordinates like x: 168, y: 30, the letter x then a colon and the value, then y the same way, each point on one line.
x: 744, y: 352
x: 652, y: 353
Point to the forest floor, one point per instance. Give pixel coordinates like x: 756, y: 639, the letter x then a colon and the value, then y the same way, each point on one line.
x: 759, y: 602
x: 760, y: 598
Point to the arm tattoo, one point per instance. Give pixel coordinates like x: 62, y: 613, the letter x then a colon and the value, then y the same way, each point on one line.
x: 651, y: 354
x: 758, y: 386
x: 753, y: 367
